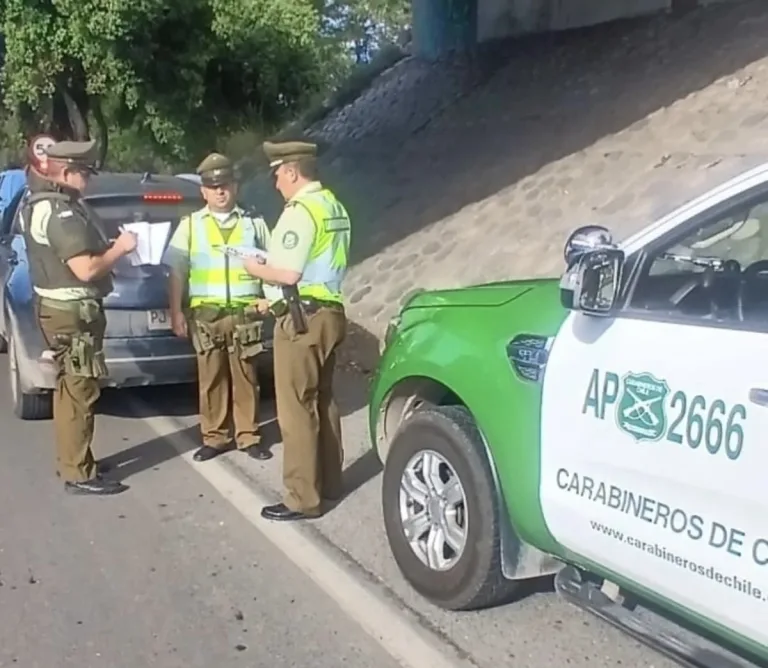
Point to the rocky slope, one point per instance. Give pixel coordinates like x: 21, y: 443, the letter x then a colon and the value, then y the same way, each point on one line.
x: 476, y: 168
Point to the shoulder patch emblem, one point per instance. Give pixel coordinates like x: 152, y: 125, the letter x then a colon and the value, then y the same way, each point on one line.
x: 290, y: 240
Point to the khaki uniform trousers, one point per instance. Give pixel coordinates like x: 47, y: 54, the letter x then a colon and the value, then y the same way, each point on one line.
x: 307, y: 413
x: 229, y: 389
x: 74, y: 397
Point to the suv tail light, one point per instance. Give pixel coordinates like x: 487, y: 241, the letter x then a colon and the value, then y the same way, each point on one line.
x: 162, y: 197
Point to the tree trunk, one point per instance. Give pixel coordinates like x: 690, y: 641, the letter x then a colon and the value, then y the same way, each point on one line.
x: 71, y: 107
x: 101, y: 130
x: 69, y: 120
x: 77, y: 116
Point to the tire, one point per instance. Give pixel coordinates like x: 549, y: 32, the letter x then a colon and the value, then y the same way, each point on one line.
x: 26, y: 406
x: 472, y: 577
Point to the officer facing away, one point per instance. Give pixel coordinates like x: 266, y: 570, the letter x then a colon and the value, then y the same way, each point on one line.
x: 308, y: 254
x: 219, y: 313
x: 70, y: 262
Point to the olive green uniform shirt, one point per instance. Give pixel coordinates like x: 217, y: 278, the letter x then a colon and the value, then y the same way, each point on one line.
x: 54, y: 223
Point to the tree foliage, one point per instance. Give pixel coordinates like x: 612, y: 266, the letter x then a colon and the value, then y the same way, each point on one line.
x: 174, y: 75
x: 177, y: 72
x: 362, y: 27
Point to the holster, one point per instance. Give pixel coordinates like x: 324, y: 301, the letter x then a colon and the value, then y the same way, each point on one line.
x: 80, y: 357
x: 295, y: 309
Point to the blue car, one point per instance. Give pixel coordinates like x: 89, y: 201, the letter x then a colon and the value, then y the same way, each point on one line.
x: 12, y: 181
x: 139, y: 345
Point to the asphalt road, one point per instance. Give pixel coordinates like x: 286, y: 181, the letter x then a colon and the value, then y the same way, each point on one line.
x: 167, y: 574
x: 177, y: 572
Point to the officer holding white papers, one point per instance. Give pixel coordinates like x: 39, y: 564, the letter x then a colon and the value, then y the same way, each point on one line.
x: 213, y: 301
x: 70, y: 264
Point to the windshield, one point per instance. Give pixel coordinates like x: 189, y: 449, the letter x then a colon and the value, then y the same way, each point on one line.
x: 742, y: 238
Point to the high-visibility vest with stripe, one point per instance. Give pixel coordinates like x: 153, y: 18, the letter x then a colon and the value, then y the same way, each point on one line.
x: 216, y: 278
x: 329, y: 256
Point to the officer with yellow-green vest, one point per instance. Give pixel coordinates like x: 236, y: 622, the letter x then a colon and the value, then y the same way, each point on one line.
x: 213, y: 301
x: 307, y: 261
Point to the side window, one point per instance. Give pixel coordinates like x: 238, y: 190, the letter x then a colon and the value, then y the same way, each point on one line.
x: 716, y: 273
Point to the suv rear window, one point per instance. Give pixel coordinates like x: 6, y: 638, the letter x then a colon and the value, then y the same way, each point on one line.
x: 117, y: 211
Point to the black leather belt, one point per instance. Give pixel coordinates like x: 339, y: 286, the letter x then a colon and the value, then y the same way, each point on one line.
x: 309, y: 304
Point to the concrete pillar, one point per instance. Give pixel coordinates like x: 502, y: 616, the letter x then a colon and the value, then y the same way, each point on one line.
x: 439, y: 26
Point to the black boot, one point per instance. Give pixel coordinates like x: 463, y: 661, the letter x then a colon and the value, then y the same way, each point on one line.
x: 259, y: 452
x: 207, y: 452
x: 279, y: 512
x: 96, y: 485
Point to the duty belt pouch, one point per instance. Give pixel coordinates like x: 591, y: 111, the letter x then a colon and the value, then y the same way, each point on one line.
x: 203, y: 339
x: 82, y: 359
x: 248, y: 337
x: 200, y: 321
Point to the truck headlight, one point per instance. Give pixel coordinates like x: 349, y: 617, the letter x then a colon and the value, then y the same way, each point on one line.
x: 390, y: 332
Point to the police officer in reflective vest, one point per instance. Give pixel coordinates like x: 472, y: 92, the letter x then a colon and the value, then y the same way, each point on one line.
x: 308, y: 255
x: 213, y: 302
x: 70, y: 263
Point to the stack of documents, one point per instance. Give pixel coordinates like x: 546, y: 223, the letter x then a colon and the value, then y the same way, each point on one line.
x: 151, y: 241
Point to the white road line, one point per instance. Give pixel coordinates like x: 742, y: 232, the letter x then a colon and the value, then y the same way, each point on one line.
x: 409, y: 644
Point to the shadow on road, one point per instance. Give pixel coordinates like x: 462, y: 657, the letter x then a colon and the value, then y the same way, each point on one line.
x: 147, y: 455
x: 167, y: 400
x: 359, y: 351
x: 361, y: 471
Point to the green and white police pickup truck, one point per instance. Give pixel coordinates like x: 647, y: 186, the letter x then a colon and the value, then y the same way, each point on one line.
x: 609, y: 428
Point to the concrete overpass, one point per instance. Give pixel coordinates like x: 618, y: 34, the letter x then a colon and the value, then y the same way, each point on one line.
x: 444, y: 25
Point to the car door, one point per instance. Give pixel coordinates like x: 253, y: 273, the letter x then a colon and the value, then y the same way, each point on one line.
x: 653, y: 427
x: 8, y: 249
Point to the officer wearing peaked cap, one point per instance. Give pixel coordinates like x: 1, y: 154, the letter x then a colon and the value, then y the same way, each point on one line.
x: 70, y: 263
x: 216, y: 170
x: 286, y: 152
x: 78, y: 154
x: 220, y: 313
x: 308, y: 256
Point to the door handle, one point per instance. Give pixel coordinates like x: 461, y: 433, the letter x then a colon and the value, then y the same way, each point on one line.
x: 759, y: 396
x: 13, y: 259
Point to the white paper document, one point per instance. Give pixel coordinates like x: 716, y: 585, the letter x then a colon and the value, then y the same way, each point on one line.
x: 151, y: 241
x: 242, y: 251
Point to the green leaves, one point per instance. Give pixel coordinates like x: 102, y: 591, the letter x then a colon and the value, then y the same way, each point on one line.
x: 177, y: 74
x: 179, y: 71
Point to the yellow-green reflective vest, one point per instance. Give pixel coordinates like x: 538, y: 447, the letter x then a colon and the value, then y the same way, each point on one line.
x: 216, y: 278
x: 329, y: 256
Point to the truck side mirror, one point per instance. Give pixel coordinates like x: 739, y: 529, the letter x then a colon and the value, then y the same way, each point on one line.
x: 596, y: 280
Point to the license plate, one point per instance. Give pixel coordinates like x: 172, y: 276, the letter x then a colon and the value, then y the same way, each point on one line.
x: 159, y: 319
